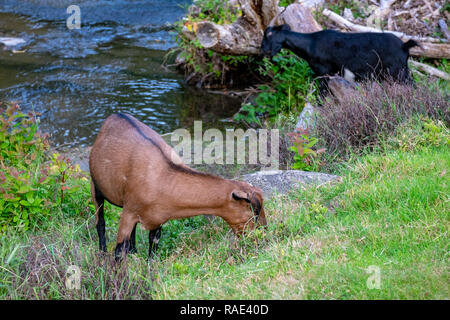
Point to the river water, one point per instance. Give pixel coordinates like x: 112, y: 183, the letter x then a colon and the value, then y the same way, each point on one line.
x: 76, y: 78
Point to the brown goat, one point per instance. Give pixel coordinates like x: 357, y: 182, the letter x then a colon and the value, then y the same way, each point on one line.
x: 132, y: 167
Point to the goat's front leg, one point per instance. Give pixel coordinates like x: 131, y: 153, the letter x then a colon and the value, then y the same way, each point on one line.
x: 127, y: 223
x: 133, y: 240
x: 153, y: 240
x: 324, y: 90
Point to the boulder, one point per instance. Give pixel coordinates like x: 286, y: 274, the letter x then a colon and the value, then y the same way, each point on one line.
x: 283, y: 181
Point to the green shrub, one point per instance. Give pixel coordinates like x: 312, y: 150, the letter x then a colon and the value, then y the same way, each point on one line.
x: 217, y: 11
x: 419, y: 133
x: 289, y: 88
x: 32, y: 182
x: 285, y: 3
x: 305, y: 158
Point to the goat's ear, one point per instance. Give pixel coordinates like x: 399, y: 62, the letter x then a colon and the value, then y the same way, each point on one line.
x: 285, y: 27
x: 240, y: 195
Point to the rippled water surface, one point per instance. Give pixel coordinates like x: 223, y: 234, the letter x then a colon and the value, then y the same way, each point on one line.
x: 76, y: 78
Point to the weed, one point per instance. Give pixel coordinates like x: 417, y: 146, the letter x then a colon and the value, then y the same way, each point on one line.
x: 306, y: 158
x: 33, y: 184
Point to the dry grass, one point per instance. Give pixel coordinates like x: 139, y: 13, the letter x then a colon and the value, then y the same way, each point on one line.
x: 372, y: 113
x: 43, y: 272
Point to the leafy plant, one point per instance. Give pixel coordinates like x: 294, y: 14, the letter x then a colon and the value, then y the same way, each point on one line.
x: 217, y: 11
x: 32, y: 183
x: 289, y: 87
x: 285, y: 3
x: 435, y: 133
x: 249, y: 114
x: 306, y: 157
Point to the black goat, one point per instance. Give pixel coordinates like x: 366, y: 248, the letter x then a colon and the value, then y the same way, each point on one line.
x: 357, y: 56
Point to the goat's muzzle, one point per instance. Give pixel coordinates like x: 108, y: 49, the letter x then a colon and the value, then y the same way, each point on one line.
x: 265, y: 53
x: 261, y: 220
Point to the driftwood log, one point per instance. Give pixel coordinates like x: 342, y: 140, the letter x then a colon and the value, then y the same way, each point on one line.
x: 345, y: 24
x: 432, y: 50
x: 430, y: 70
x: 244, y: 36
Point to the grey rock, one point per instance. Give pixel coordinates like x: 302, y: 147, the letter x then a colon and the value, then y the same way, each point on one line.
x: 77, y: 155
x: 306, y: 117
x: 341, y: 87
x: 283, y: 181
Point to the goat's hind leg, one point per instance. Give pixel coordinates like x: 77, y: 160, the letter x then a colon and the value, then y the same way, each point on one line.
x: 405, y: 77
x: 99, y: 201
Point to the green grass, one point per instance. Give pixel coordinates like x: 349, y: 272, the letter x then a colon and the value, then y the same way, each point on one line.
x: 391, y: 211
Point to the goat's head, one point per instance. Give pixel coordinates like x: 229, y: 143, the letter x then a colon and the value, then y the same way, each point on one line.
x: 273, y: 39
x: 245, y: 208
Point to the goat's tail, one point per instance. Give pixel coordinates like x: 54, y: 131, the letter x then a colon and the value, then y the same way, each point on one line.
x: 409, y: 44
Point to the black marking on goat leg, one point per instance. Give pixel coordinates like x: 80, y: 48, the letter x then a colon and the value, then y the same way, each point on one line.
x: 153, y: 240
x: 133, y: 240
x: 122, y: 249
x: 100, y: 199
